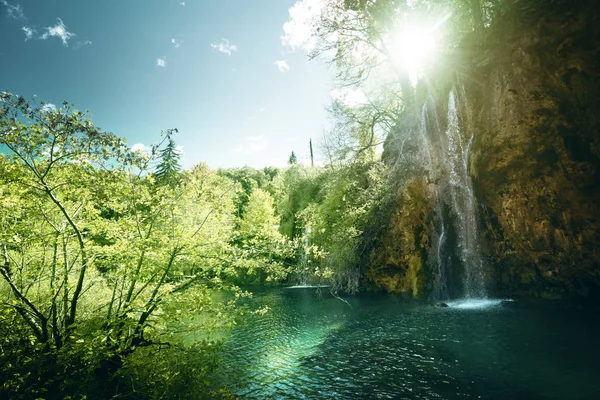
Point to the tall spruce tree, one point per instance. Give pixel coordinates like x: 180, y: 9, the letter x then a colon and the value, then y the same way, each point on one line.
x: 169, y: 168
x: 293, y: 160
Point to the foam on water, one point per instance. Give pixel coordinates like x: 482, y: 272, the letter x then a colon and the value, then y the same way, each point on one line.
x: 475, y: 304
x: 306, y: 286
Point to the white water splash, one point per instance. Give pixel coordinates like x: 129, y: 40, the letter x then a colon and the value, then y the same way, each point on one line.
x: 305, y: 286
x: 476, y: 304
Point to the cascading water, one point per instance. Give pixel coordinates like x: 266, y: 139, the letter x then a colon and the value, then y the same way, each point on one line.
x: 440, y: 287
x: 442, y: 154
x: 428, y: 128
x: 461, y: 201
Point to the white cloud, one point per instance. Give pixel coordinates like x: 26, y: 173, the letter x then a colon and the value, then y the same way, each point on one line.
x: 298, y: 29
x: 60, y: 31
x: 13, y: 11
x: 182, y: 3
x: 349, y: 97
x: 161, y: 62
x: 253, y: 144
x: 282, y: 66
x: 49, y: 107
x: 141, y: 147
x: 224, y: 47
x: 179, y: 150
x: 29, y: 32
x: 176, y: 43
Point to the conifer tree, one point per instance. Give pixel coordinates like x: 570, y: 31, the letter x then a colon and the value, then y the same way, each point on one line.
x: 169, y: 168
x: 292, y: 160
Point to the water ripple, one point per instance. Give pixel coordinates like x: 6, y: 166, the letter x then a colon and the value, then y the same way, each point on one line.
x: 311, y: 348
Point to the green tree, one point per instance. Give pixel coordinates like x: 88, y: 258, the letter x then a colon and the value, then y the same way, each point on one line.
x: 264, y: 248
x: 249, y: 179
x: 292, y: 160
x: 339, y: 220
x: 54, y: 159
x: 96, y: 260
x: 169, y: 167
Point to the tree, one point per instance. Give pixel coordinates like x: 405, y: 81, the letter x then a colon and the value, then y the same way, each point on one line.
x: 340, y: 217
x: 292, y: 160
x: 56, y: 156
x: 168, y: 169
x: 249, y: 179
x: 263, y: 246
x: 96, y: 259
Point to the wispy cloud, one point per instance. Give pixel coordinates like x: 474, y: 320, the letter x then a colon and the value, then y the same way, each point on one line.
x: 282, y: 65
x: 29, y: 32
x: 298, y: 29
x: 224, y: 47
x: 176, y: 43
x: 60, y: 31
x: 253, y: 144
x: 13, y: 11
x: 81, y: 44
x: 161, y: 62
x: 182, y: 3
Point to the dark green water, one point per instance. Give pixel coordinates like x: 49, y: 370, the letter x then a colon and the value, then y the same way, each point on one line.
x: 380, y: 347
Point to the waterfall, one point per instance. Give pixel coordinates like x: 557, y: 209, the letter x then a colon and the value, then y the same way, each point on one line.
x: 303, y: 278
x: 440, y: 287
x: 428, y: 128
x: 461, y: 201
x: 442, y: 154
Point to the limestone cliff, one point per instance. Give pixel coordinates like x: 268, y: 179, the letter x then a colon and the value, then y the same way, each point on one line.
x: 532, y: 97
x: 536, y: 155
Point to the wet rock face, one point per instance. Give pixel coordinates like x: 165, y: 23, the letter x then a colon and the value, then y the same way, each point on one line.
x: 398, y: 260
x: 536, y: 157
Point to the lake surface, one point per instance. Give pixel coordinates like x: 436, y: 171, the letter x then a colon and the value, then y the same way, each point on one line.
x: 313, y: 346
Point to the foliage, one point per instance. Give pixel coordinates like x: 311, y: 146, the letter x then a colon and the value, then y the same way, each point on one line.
x: 265, y: 249
x: 249, y: 179
x: 102, y: 255
x: 295, y: 188
x: 339, y: 221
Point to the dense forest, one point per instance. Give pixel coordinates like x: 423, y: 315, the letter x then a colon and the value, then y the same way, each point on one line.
x: 477, y: 176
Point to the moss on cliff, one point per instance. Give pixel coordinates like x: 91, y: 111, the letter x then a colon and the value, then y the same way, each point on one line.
x: 398, y: 259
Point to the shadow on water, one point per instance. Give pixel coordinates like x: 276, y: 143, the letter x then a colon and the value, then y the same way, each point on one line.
x: 379, y: 346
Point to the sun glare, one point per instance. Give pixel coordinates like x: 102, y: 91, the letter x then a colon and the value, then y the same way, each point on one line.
x: 414, y: 48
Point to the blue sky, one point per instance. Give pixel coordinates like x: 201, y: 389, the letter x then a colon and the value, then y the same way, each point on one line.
x: 215, y: 69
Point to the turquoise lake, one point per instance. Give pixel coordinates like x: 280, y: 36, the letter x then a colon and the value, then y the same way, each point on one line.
x: 311, y: 345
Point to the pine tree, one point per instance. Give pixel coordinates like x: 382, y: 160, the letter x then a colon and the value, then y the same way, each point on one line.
x: 293, y: 160
x: 168, y: 170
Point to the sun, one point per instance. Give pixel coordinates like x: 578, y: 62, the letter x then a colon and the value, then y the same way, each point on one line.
x: 413, y: 49
x: 413, y: 46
